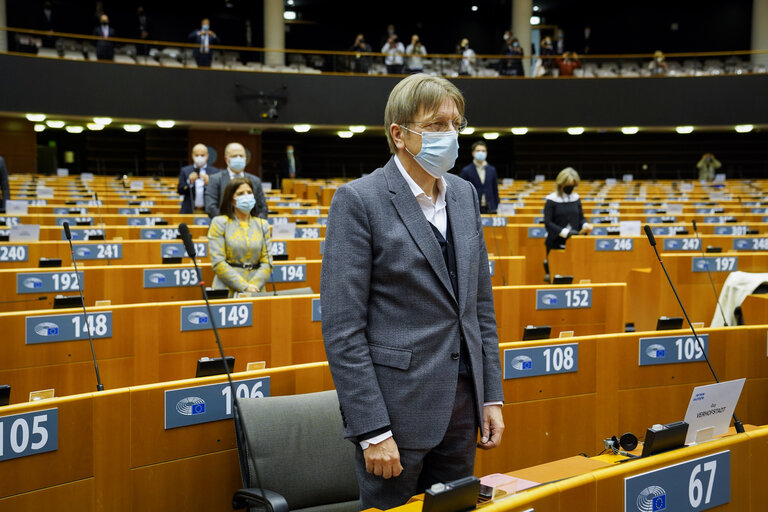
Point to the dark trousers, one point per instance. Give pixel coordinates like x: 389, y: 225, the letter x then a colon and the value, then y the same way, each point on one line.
x: 452, y: 459
x: 394, y: 69
x: 203, y: 59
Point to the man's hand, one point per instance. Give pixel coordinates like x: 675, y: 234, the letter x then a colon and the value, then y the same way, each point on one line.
x: 252, y: 288
x: 493, y: 427
x: 383, y: 459
x: 205, y: 178
x: 192, y: 177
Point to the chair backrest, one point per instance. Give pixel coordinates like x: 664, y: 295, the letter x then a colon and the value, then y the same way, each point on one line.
x: 297, y: 444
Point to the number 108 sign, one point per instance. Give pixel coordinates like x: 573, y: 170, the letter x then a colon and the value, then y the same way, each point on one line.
x: 543, y: 360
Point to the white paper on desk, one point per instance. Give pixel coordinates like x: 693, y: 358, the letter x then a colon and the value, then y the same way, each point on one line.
x: 16, y: 207
x: 24, y: 233
x: 287, y: 230
x: 44, y: 192
x: 506, y: 209
x: 508, y: 181
x: 629, y: 228
x: 712, y: 406
x: 266, y: 186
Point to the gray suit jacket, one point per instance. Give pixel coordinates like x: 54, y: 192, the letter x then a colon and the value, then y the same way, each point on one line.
x: 390, y: 319
x: 215, y: 189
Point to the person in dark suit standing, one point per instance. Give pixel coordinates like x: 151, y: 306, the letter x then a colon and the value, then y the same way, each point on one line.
x: 408, y: 318
x: 194, y: 179
x: 105, y: 48
x: 483, y: 176
x: 204, y: 37
x: 234, y: 155
x: 4, y: 185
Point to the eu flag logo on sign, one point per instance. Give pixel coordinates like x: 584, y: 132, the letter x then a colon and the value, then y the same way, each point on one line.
x: 660, y: 503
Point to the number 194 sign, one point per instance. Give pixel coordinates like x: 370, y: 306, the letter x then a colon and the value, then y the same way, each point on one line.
x: 567, y: 298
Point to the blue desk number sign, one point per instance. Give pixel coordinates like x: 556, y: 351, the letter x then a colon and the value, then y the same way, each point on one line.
x: 542, y: 360
x: 29, y: 433
x: 213, y: 402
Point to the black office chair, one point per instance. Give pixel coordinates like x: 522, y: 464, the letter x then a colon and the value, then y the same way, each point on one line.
x: 296, y: 443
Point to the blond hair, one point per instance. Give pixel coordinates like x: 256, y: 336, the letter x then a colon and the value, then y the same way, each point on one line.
x: 566, y: 176
x: 416, y: 93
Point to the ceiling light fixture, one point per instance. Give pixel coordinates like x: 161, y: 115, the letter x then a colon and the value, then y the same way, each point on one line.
x: 684, y: 129
x: 575, y: 130
x: 744, y: 128
x: 491, y: 135
x: 629, y: 130
x: 104, y: 121
x: 301, y: 128
x: 36, y: 118
x: 132, y: 128
x: 166, y: 123
x: 75, y: 129
x: 357, y: 128
x: 520, y: 130
x: 55, y: 124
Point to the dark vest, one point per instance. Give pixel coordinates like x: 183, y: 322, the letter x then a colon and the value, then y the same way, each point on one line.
x: 449, y: 256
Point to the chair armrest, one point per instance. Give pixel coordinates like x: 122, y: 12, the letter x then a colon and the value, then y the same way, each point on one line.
x: 271, y: 501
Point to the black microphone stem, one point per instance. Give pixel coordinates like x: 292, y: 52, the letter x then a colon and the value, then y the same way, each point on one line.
x: 736, y: 423
x: 99, y: 385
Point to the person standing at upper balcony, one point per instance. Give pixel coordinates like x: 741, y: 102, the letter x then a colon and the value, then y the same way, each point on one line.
x: 204, y: 37
x: 105, y: 48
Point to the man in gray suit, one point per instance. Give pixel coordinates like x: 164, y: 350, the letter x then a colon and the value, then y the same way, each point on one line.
x: 234, y: 155
x: 408, y: 318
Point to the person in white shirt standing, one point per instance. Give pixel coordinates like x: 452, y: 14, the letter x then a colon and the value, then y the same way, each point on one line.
x: 415, y: 52
x: 394, y: 59
x: 193, y: 179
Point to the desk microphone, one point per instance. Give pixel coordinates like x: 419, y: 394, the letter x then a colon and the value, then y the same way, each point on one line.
x: 186, y: 237
x: 86, y: 326
x: 652, y: 240
x: 714, y: 290
x: 42, y: 297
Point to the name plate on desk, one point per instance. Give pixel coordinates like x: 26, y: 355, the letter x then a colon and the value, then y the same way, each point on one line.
x: 307, y: 233
x: 82, y: 233
x: 567, y: 298
x: 74, y: 221
x: 317, y: 312
x: 537, y: 233
x: 69, y: 211
x: 292, y: 204
x: 13, y: 253
x: 143, y: 221
x: 99, y: 251
x: 682, y: 244
x: 278, y: 248
x: 732, y: 230
x: 715, y: 263
x: 288, y: 273
x: 672, y: 349
x: 694, y: 485
x: 750, y: 244
x: 213, y: 402
x: 306, y: 211
x: 38, y: 282
x: 170, y: 277
x: 494, y: 221
x: 664, y: 219
x: 202, y: 221
x: 170, y: 250
x: 30, y: 433
x: 544, y: 360
x: 195, y: 318
x: 323, y: 221
x: 159, y: 233
x: 55, y: 328
x: 614, y: 244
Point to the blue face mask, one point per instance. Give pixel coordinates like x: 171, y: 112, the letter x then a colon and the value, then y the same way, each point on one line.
x: 245, y: 203
x: 237, y: 163
x: 439, y: 151
x: 480, y: 156
x: 206, y: 27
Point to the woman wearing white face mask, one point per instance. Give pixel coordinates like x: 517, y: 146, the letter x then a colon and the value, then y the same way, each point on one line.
x: 239, y: 242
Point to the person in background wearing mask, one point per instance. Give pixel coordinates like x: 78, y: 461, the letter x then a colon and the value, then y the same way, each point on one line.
x: 193, y: 180
x: 394, y: 59
x: 105, y: 49
x: 234, y: 155
x: 415, y: 51
x: 204, y: 37
x: 513, y: 66
x: 360, y: 62
x: 483, y: 176
x: 563, y: 214
x: 707, y: 167
x: 467, y: 63
x: 658, y: 66
x: 547, y: 53
x: 560, y: 43
x: 408, y: 319
x: 239, y: 242
x: 142, y: 30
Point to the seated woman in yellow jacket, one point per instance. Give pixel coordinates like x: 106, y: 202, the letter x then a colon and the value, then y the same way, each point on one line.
x: 238, y: 242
